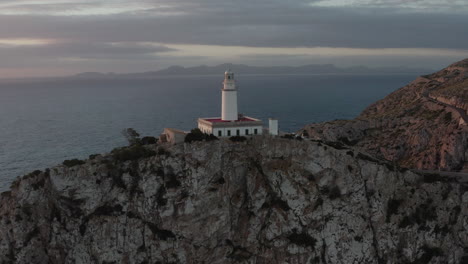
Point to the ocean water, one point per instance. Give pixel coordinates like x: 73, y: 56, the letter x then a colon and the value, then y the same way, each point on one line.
x: 45, y: 122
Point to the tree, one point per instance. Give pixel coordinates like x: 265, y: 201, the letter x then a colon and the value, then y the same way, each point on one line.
x: 148, y: 140
x: 131, y: 135
x: 197, y: 135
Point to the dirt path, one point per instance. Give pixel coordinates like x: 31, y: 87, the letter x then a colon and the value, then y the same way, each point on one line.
x: 462, y: 112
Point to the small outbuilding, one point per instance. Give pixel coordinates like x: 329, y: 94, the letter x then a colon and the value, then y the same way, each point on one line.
x: 172, y: 136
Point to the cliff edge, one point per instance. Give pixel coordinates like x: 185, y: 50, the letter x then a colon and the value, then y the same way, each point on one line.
x: 423, y: 125
x: 265, y: 200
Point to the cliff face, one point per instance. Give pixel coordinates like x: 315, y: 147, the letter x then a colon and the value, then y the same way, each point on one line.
x: 422, y: 125
x: 261, y: 201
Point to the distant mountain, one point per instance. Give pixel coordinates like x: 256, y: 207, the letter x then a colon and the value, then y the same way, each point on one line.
x: 246, y: 69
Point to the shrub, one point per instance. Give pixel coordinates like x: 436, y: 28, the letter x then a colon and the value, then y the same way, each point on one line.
x: 161, y: 233
x: 448, y: 117
x: 291, y: 136
x: 238, y: 138
x: 172, y: 182
x: 302, y: 239
x: 197, y: 135
x: 434, y: 177
x: 131, y: 135
x: 424, y: 212
x: 93, y: 156
x: 148, y: 140
x: 428, y: 253
x: 73, y: 162
x: 134, y: 152
x: 163, y: 151
x: 392, y: 207
x: 348, y: 142
x: 336, y: 145
x: 334, y: 193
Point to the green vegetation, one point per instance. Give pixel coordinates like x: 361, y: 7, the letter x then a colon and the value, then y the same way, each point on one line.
x: 148, y: 140
x: 334, y: 193
x: 430, y: 115
x: 197, y: 135
x: 131, y: 135
x: 392, y: 207
x: 73, y: 162
x: 302, y: 239
x: 133, y: 138
x: 238, y: 139
x: 134, y: 152
x: 448, y: 117
x: 428, y: 253
x: 93, y: 156
x: 291, y: 136
x: 423, y: 213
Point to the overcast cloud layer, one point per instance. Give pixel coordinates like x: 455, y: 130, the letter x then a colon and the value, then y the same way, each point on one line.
x: 57, y: 37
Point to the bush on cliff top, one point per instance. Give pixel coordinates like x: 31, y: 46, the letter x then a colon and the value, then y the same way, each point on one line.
x: 73, y: 162
x: 134, y: 152
x: 197, y: 135
x: 148, y: 140
x: 238, y: 138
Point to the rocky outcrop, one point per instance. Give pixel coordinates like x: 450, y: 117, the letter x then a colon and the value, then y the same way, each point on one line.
x: 423, y: 125
x: 265, y: 200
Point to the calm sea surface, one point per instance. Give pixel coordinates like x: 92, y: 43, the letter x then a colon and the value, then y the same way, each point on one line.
x: 44, y: 122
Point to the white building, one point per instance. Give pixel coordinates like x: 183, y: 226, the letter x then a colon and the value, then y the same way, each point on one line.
x: 231, y: 123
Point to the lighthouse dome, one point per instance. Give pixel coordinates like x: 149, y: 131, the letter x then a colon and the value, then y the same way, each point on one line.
x: 229, y: 75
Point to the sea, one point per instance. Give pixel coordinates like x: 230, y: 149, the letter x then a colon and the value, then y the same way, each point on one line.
x: 43, y: 122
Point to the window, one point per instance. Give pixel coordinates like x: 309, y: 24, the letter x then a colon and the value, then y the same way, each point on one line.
x: 219, y: 133
x: 246, y: 131
x: 229, y: 133
x: 238, y: 132
x: 255, y: 131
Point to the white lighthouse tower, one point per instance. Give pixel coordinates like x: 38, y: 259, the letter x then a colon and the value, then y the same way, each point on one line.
x: 231, y: 123
x: 229, y: 98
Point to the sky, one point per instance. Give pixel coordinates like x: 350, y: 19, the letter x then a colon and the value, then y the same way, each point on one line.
x: 63, y: 37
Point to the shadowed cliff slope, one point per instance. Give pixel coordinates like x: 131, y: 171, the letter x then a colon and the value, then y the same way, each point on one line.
x: 266, y: 200
x: 422, y: 125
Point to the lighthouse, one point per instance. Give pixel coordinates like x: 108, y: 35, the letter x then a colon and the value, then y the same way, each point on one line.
x: 229, y: 98
x: 231, y: 123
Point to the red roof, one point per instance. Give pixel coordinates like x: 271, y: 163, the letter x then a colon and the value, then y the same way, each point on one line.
x: 219, y: 120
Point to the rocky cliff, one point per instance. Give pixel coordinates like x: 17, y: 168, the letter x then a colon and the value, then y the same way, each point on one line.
x: 266, y: 200
x: 422, y: 125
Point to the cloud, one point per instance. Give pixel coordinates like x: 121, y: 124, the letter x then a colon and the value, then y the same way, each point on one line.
x: 143, y: 30
x: 432, y: 6
x: 78, y: 53
x: 256, y: 24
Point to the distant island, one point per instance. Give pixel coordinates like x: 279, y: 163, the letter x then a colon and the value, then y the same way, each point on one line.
x: 246, y: 69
